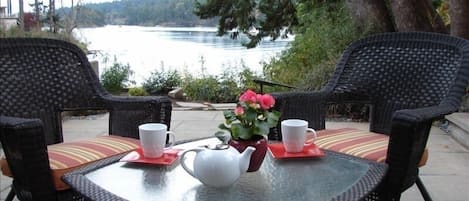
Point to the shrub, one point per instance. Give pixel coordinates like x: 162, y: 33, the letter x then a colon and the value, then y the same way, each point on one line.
x: 161, y: 82
x: 137, y: 91
x: 223, y: 88
x: 116, y: 78
x: 201, y: 89
x: 326, y: 28
x: 227, y: 91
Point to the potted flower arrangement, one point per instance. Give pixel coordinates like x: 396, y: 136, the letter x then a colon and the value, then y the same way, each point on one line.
x: 249, y: 124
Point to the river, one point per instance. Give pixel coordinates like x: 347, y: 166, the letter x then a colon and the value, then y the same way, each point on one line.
x: 147, y: 49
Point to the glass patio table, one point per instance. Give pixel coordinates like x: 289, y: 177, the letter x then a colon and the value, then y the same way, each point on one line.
x: 334, y: 176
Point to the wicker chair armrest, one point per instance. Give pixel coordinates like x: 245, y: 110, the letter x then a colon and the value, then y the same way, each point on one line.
x: 409, y: 135
x: 424, y: 114
x: 129, y: 112
x: 23, y: 142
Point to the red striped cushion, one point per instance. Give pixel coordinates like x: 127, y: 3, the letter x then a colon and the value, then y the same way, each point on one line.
x: 65, y: 157
x: 363, y: 144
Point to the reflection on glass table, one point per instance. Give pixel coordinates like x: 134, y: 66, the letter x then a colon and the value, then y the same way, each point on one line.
x: 333, y: 176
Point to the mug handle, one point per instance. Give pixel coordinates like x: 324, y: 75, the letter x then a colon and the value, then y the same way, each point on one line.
x: 310, y: 132
x: 171, y: 139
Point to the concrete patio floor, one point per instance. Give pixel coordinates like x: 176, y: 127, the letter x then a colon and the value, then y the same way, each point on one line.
x: 446, y: 174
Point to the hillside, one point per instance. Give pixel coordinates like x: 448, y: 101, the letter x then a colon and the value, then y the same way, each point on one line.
x: 140, y: 12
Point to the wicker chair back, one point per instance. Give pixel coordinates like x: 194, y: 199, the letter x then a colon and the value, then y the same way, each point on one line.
x: 40, y: 78
x: 398, y: 71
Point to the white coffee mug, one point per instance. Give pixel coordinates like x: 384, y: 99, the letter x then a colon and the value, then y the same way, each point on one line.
x: 294, y: 133
x: 153, y: 139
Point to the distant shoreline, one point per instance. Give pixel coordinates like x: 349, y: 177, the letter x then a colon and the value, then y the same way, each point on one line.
x: 183, y: 49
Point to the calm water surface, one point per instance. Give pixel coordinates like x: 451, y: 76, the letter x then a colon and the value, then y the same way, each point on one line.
x: 147, y: 49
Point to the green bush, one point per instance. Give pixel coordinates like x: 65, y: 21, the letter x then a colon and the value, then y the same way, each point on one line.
x: 222, y: 88
x: 227, y: 91
x: 201, y: 89
x: 137, y: 91
x: 326, y: 28
x: 161, y: 82
x: 116, y: 78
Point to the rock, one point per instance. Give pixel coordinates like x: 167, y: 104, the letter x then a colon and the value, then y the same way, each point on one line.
x: 177, y: 93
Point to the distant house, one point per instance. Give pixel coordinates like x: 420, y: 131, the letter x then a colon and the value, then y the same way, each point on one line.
x: 7, y: 22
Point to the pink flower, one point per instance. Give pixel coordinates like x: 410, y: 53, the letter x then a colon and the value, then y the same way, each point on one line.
x: 248, y: 97
x: 239, y: 111
x: 258, y: 97
x: 266, y: 101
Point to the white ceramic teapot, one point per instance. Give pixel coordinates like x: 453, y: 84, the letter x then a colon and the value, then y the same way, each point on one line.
x: 218, y: 166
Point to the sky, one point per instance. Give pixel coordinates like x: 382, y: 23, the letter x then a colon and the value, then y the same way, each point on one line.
x: 58, y: 3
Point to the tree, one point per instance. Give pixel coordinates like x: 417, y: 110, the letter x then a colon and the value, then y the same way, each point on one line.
x: 70, y: 21
x: 21, y: 14
x: 416, y: 15
x: 52, y: 18
x: 324, y: 31
x: 36, y: 11
x: 276, y: 18
x: 255, y: 19
x: 459, y: 14
x: 45, y: 14
x: 371, y: 15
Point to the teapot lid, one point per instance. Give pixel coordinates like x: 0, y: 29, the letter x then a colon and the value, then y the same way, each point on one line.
x: 224, y: 137
x: 217, y: 146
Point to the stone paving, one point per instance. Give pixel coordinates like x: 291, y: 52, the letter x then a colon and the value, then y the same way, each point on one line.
x: 445, y: 175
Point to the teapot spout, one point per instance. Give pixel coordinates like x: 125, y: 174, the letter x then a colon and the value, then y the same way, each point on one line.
x: 245, y: 159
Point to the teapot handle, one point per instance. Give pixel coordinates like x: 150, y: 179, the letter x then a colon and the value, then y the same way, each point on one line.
x: 183, y: 161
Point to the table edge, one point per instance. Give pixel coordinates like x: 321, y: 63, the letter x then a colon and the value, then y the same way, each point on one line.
x: 364, y: 186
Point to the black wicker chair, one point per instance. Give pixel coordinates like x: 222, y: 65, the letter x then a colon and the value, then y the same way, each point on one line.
x: 40, y: 78
x: 408, y: 79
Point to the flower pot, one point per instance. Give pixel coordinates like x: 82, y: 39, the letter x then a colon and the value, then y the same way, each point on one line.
x: 257, y: 157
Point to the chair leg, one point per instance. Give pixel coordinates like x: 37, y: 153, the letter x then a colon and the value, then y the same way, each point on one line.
x: 423, y: 190
x: 10, y: 195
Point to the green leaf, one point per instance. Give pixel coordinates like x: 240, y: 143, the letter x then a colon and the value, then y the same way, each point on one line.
x: 272, y: 118
x: 230, y: 116
x: 235, y: 130
x: 223, y: 127
x: 262, y: 128
x: 243, y: 104
x: 239, y: 131
x: 251, y: 115
x: 223, y: 136
x: 220, y: 135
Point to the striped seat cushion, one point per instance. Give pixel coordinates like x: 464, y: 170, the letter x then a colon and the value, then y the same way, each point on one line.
x: 363, y: 144
x: 65, y: 157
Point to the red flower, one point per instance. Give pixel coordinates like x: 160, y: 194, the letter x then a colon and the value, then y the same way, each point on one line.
x: 266, y: 101
x: 239, y: 111
x: 249, y: 97
x: 251, y: 117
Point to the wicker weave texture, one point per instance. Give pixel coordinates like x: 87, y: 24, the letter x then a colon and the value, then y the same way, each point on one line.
x: 399, y: 71
x: 408, y: 80
x: 40, y: 78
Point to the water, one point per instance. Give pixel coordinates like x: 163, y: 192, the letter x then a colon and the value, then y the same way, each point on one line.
x: 147, y: 49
